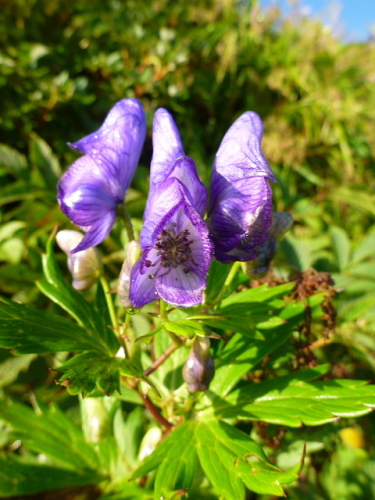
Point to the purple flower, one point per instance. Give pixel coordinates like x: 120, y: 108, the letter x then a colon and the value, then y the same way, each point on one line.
x: 176, y: 247
x: 240, y: 208
x: 93, y: 187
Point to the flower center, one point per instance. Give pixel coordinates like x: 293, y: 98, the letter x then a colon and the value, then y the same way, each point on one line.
x: 173, y: 250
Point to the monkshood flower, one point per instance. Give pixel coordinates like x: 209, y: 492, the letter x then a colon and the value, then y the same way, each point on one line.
x: 176, y: 248
x: 95, y: 185
x: 258, y: 268
x: 86, y: 266
x: 240, y: 207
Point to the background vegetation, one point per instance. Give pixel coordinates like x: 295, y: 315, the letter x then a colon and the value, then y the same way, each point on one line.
x: 63, y: 64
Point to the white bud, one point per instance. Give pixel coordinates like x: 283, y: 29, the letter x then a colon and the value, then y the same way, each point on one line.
x: 85, y: 266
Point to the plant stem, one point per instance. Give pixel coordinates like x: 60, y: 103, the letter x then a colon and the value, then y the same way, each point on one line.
x: 124, y: 214
x: 112, y: 314
x: 154, y: 411
x: 155, y: 365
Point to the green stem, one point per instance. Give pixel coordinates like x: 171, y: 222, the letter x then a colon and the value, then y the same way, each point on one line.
x: 112, y: 313
x: 124, y: 214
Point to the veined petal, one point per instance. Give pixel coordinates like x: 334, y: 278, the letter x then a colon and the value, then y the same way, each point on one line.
x: 142, y: 288
x: 83, y: 194
x: 117, y: 145
x: 92, y: 188
x: 167, y: 146
x: 241, y: 218
x: 97, y: 232
x: 240, y: 152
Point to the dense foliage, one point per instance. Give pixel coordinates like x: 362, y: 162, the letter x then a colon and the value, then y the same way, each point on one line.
x: 63, y: 66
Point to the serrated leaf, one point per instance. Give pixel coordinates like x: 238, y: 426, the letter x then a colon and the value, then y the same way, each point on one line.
x: 88, y: 371
x: 341, y: 246
x: 293, y: 400
x: 229, y: 458
x: 175, y: 459
x: 72, y: 301
x: 28, y: 330
x: 20, y: 477
x: 241, y: 356
x: 51, y: 433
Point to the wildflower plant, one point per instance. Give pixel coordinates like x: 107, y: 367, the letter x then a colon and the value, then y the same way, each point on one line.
x: 191, y: 348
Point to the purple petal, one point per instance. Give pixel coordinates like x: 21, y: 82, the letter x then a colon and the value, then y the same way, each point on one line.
x: 117, y: 145
x: 240, y: 152
x: 97, y: 232
x: 241, y: 217
x: 167, y: 146
x: 92, y: 188
x: 142, y: 288
x: 183, y: 285
x: 83, y: 194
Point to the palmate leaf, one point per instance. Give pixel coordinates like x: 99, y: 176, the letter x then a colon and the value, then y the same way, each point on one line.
x: 28, y: 330
x: 72, y: 301
x: 241, y: 356
x: 88, y: 371
x: 294, y: 400
x: 21, y: 477
x: 52, y: 433
x: 228, y: 456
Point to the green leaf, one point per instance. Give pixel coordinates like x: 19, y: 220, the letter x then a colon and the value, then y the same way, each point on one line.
x: 13, y: 161
x: 216, y: 278
x: 365, y: 249
x: 11, y: 368
x: 52, y: 433
x: 241, y: 356
x: 230, y: 458
x: 175, y: 459
x: 88, y: 371
x: 187, y: 328
x: 27, y: 330
x: 341, y: 246
x: 73, y: 302
x: 21, y: 477
x: 293, y: 400
x: 46, y: 162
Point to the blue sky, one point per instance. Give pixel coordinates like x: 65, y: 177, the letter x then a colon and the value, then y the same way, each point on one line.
x: 350, y: 19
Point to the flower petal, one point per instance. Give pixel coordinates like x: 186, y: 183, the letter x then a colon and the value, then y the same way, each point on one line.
x: 117, y: 145
x: 167, y: 146
x: 142, y: 288
x: 240, y: 152
x: 97, y: 232
x: 241, y: 218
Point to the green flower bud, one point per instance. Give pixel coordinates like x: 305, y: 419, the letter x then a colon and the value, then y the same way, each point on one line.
x: 258, y: 268
x: 85, y: 266
x: 199, y: 368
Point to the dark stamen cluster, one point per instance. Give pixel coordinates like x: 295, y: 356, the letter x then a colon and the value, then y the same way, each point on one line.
x: 173, y: 250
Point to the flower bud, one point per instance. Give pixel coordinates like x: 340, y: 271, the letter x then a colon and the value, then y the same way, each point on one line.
x: 85, y: 266
x: 258, y: 268
x: 199, y: 368
x: 133, y: 252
